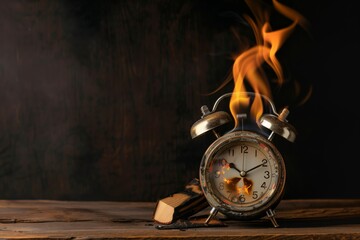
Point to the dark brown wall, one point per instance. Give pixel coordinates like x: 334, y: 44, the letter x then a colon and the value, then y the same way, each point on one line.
x: 97, y: 97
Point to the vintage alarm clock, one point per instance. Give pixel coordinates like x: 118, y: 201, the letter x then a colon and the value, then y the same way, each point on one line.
x: 242, y: 173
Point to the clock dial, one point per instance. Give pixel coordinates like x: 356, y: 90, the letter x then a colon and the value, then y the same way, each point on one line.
x: 242, y: 173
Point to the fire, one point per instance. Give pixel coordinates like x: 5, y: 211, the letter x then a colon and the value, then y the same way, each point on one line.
x: 248, y: 72
x: 232, y: 185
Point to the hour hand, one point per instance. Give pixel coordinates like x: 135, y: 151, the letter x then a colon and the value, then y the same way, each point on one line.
x: 232, y: 165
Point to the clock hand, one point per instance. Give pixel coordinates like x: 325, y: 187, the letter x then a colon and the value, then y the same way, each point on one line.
x: 232, y: 165
x: 257, y: 166
x: 242, y: 173
x: 243, y: 161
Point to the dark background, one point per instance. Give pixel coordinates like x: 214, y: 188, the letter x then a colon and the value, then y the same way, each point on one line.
x: 97, y: 97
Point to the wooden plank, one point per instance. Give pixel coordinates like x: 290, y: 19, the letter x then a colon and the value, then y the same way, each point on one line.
x: 46, y: 219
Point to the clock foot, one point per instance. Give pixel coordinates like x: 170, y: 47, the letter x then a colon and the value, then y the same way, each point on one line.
x: 213, y: 212
x: 271, y: 215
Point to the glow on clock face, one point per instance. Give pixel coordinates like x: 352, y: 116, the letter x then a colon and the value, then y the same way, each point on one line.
x: 243, y: 174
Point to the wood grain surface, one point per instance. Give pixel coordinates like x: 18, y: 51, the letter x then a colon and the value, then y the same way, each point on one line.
x: 49, y: 219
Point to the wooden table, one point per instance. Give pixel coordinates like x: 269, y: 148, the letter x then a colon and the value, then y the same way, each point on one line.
x: 298, y: 219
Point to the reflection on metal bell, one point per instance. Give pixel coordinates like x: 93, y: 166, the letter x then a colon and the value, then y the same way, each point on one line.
x: 209, y: 121
x: 278, y: 125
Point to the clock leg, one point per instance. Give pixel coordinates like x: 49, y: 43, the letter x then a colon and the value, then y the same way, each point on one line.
x: 213, y: 212
x: 271, y: 215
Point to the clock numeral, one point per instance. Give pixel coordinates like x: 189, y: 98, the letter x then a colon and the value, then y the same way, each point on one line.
x: 231, y: 196
x: 267, y: 174
x: 264, y: 161
x: 255, y: 195
x: 242, y: 198
x: 221, y: 186
x: 255, y: 152
x: 263, y: 185
x: 244, y: 149
x: 231, y: 152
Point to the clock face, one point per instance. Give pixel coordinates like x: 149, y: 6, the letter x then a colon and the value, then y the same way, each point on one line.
x: 242, y: 174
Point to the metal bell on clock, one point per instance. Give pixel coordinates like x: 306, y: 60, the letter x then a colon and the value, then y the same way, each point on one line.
x: 209, y: 121
x: 279, y: 125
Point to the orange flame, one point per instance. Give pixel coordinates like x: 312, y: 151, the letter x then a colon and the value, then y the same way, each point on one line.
x: 247, y: 69
x: 232, y: 185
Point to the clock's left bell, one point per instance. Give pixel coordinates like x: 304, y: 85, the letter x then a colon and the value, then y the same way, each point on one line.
x: 209, y: 121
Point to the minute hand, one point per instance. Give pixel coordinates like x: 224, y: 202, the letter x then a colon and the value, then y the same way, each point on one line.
x: 257, y: 166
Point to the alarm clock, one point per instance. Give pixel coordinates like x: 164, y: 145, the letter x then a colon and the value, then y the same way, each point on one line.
x: 242, y: 173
